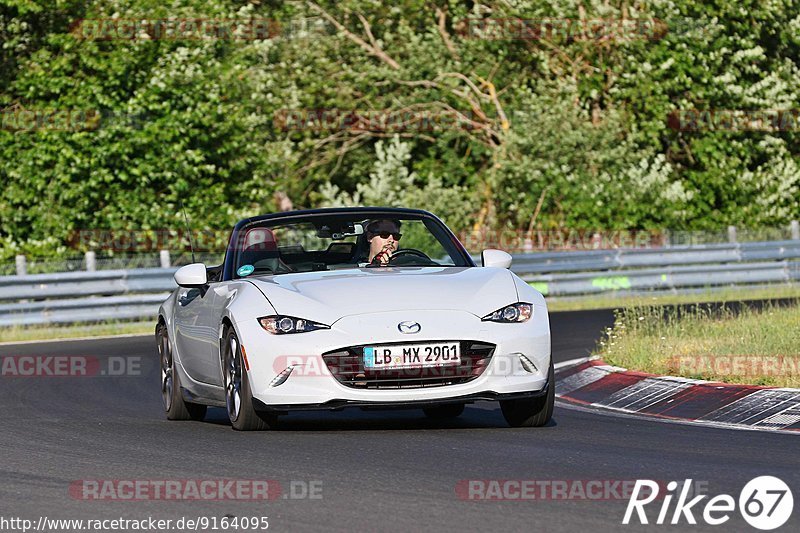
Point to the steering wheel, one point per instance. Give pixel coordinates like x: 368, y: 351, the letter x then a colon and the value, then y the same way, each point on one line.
x: 409, y: 251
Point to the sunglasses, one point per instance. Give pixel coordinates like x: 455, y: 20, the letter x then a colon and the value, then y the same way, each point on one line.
x: 385, y: 235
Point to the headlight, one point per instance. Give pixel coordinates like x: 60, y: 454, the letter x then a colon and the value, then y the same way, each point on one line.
x: 280, y: 325
x: 520, y: 312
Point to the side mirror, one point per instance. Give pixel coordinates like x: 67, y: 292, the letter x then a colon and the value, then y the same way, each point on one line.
x: 495, y: 258
x: 192, y: 276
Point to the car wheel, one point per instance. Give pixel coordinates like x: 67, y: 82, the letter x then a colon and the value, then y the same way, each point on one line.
x: 532, y: 412
x: 174, y: 404
x: 238, y: 396
x: 441, y: 412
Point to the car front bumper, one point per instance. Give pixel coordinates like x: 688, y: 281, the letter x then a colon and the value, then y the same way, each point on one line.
x: 310, y: 385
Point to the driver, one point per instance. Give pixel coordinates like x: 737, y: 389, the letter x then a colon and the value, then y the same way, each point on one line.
x: 383, y: 236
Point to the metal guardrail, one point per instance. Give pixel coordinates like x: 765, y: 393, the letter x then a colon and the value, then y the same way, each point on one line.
x: 673, y: 269
x: 610, y: 259
x: 77, y: 284
x: 130, y: 294
x: 74, y: 297
x: 77, y: 310
x: 671, y: 278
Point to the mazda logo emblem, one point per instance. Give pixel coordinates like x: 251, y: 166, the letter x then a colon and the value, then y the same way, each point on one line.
x: 409, y: 327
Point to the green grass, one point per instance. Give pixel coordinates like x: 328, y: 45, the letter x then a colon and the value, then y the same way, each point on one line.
x: 611, y: 300
x: 759, y: 347
x: 45, y: 332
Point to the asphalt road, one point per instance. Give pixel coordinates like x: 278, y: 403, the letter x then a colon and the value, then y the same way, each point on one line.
x: 378, y: 471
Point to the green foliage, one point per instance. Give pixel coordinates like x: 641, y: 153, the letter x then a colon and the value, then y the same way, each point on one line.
x: 734, y: 343
x: 576, y: 126
x: 391, y: 183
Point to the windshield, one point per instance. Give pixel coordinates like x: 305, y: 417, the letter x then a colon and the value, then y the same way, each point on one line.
x: 315, y: 243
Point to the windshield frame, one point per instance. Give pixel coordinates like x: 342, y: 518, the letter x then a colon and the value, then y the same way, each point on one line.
x: 437, y: 227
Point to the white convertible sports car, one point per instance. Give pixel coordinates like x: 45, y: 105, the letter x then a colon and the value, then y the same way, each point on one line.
x: 353, y: 307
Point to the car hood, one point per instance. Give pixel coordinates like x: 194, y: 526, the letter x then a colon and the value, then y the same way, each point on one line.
x: 330, y: 295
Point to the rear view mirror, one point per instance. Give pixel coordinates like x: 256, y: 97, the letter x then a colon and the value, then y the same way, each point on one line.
x: 351, y: 230
x: 192, y: 276
x: 495, y: 258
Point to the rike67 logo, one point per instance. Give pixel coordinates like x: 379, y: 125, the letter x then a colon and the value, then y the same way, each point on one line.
x: 765, y: 503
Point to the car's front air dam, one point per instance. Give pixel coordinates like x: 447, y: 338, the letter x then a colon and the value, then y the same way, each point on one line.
x: 339, y: 404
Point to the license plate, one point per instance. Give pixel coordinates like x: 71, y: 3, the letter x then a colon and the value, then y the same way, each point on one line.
x: 412, y: 355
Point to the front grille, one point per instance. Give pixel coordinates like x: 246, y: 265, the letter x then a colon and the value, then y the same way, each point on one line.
x: 347, y: 366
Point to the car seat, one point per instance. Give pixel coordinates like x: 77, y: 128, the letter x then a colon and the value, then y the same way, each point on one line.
x: 261, y: 251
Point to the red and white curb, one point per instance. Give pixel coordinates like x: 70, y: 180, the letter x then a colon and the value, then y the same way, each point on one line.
x: 596, y: 384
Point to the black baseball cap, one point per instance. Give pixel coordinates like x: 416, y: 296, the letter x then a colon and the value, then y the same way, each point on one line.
x: 383, y: 226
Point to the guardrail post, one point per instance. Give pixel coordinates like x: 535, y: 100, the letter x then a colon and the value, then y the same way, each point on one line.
x: 527, y: 245
x: 166, y: 261
x: 732, y: 234
x: 795, y: 230
x: 91, y: 262
x: 22, y: 265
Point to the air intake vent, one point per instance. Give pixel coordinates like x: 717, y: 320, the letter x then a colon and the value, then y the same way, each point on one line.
x: 347, y: 366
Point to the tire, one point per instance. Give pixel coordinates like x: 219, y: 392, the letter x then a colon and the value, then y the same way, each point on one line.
x: 532, y: 412
x: 238, y: 395
x: 442, y: 412
x: 174, y: 405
